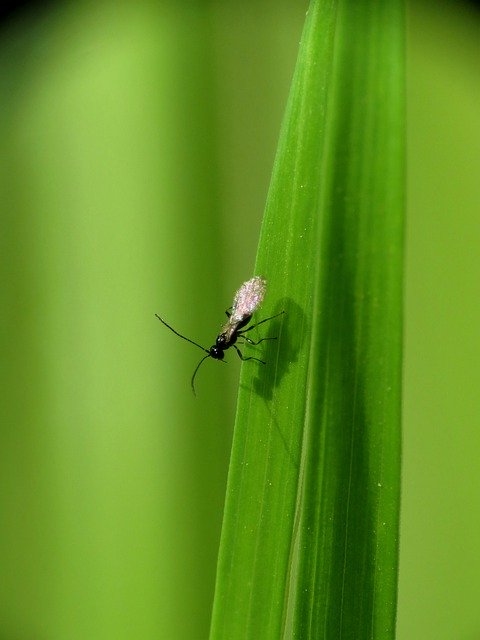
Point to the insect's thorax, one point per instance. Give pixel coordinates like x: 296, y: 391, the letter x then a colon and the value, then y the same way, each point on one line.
x: 232, y: 327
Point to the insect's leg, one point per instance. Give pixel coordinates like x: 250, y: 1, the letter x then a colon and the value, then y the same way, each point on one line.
x: 261, y: 322
x: 259, y: 341
x: 242, y: 357
x: 227, y: 312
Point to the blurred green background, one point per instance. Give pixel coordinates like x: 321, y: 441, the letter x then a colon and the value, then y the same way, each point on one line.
x: 137, y: 141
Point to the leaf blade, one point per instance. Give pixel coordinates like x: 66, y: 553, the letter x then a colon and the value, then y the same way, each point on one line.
x: 315, y: 462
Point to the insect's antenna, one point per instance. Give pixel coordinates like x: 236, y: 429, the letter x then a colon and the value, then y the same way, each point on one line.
x: 195, y: 373
x: 180, y: 335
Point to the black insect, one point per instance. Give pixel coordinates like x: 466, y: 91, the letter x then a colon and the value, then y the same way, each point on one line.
x: 247, y: 300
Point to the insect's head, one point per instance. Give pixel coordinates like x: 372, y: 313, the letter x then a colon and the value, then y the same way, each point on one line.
x: 217, y: 350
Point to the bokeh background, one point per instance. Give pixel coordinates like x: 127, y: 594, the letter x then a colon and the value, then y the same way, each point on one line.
x: 136, y: 146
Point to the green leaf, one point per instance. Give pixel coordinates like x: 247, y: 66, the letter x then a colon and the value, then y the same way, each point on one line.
x: 310, y: 532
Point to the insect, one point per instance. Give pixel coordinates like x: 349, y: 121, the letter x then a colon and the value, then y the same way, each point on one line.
x: 246, y: 301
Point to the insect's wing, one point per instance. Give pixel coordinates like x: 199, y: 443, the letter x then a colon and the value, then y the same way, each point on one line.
x: 248, y: 298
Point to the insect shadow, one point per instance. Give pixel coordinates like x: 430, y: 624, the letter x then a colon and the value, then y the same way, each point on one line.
x: 282, y: 353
